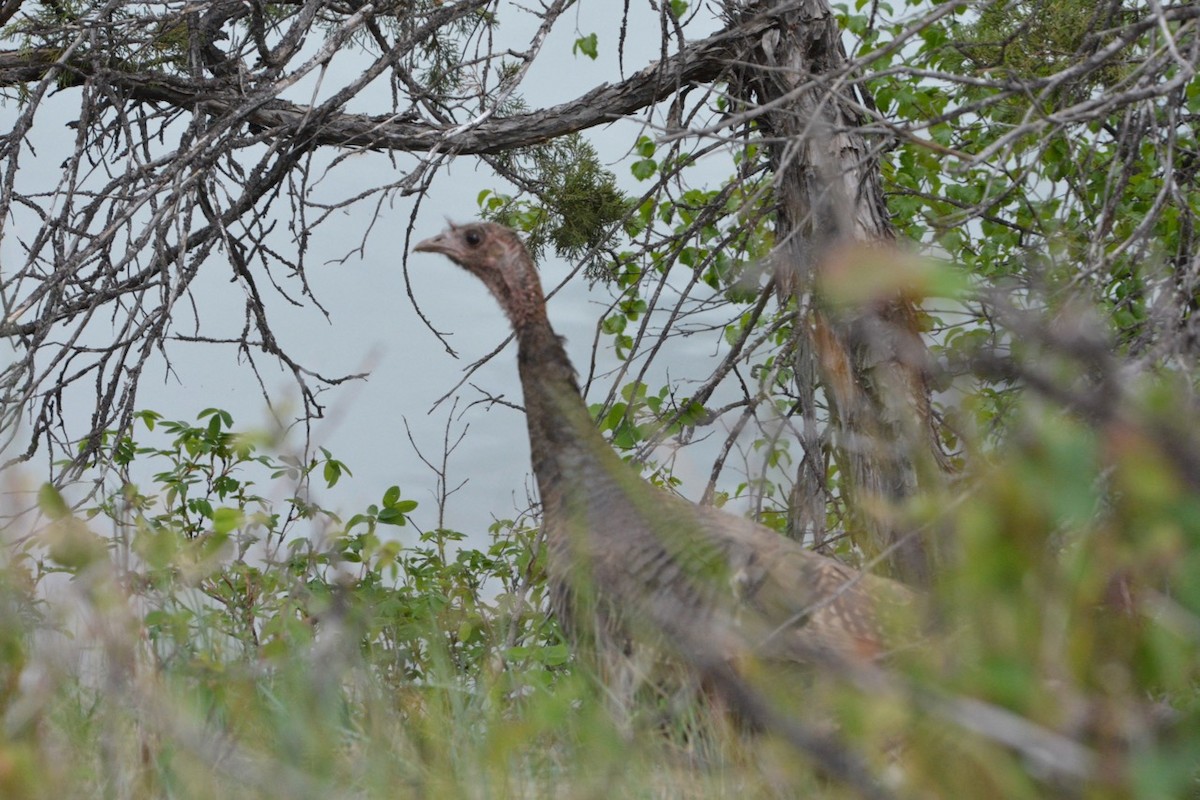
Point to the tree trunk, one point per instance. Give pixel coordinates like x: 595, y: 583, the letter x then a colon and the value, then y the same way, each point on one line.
x: 867, y: 362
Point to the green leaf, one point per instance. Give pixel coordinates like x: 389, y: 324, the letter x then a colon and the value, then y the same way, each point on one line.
x: 157, y: 547
x: 587, y: 46
x: 212, y: 545
x: 392, y: 516
x: 554, y: 655
x: 643, y: 169
x: 201, y: 506
x: 332, y: 472
x: 227, y: 519
x: 614, y: 324
x: 149, y: 418
x: 71, y: 544
x: 391, y: 496
x: 52, y: 503
x: 627, y: 436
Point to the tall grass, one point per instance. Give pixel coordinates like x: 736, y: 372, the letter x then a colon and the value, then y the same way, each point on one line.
x: 218, y: 635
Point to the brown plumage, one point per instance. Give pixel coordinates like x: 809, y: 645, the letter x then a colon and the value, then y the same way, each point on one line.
x: 713, y: 587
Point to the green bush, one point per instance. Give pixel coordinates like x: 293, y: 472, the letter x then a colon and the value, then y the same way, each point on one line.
x: 220, y: 634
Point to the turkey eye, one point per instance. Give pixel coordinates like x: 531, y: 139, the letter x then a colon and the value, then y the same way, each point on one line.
x: 473, y: 238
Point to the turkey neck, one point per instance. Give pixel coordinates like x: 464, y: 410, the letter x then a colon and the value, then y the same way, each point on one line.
x: 566, y: 449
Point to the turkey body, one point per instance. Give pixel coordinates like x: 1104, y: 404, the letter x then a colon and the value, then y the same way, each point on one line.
x: 627, y: 559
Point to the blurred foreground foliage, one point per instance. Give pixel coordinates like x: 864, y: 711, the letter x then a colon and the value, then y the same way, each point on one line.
x: 215, y: 632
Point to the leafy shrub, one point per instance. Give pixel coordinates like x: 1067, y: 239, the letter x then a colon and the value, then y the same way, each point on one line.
x: 227, y: 635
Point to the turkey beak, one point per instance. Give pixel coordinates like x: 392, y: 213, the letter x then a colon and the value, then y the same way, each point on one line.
x: 442, y: 243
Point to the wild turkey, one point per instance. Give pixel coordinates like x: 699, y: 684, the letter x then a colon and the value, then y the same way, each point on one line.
x: 713, y: 586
